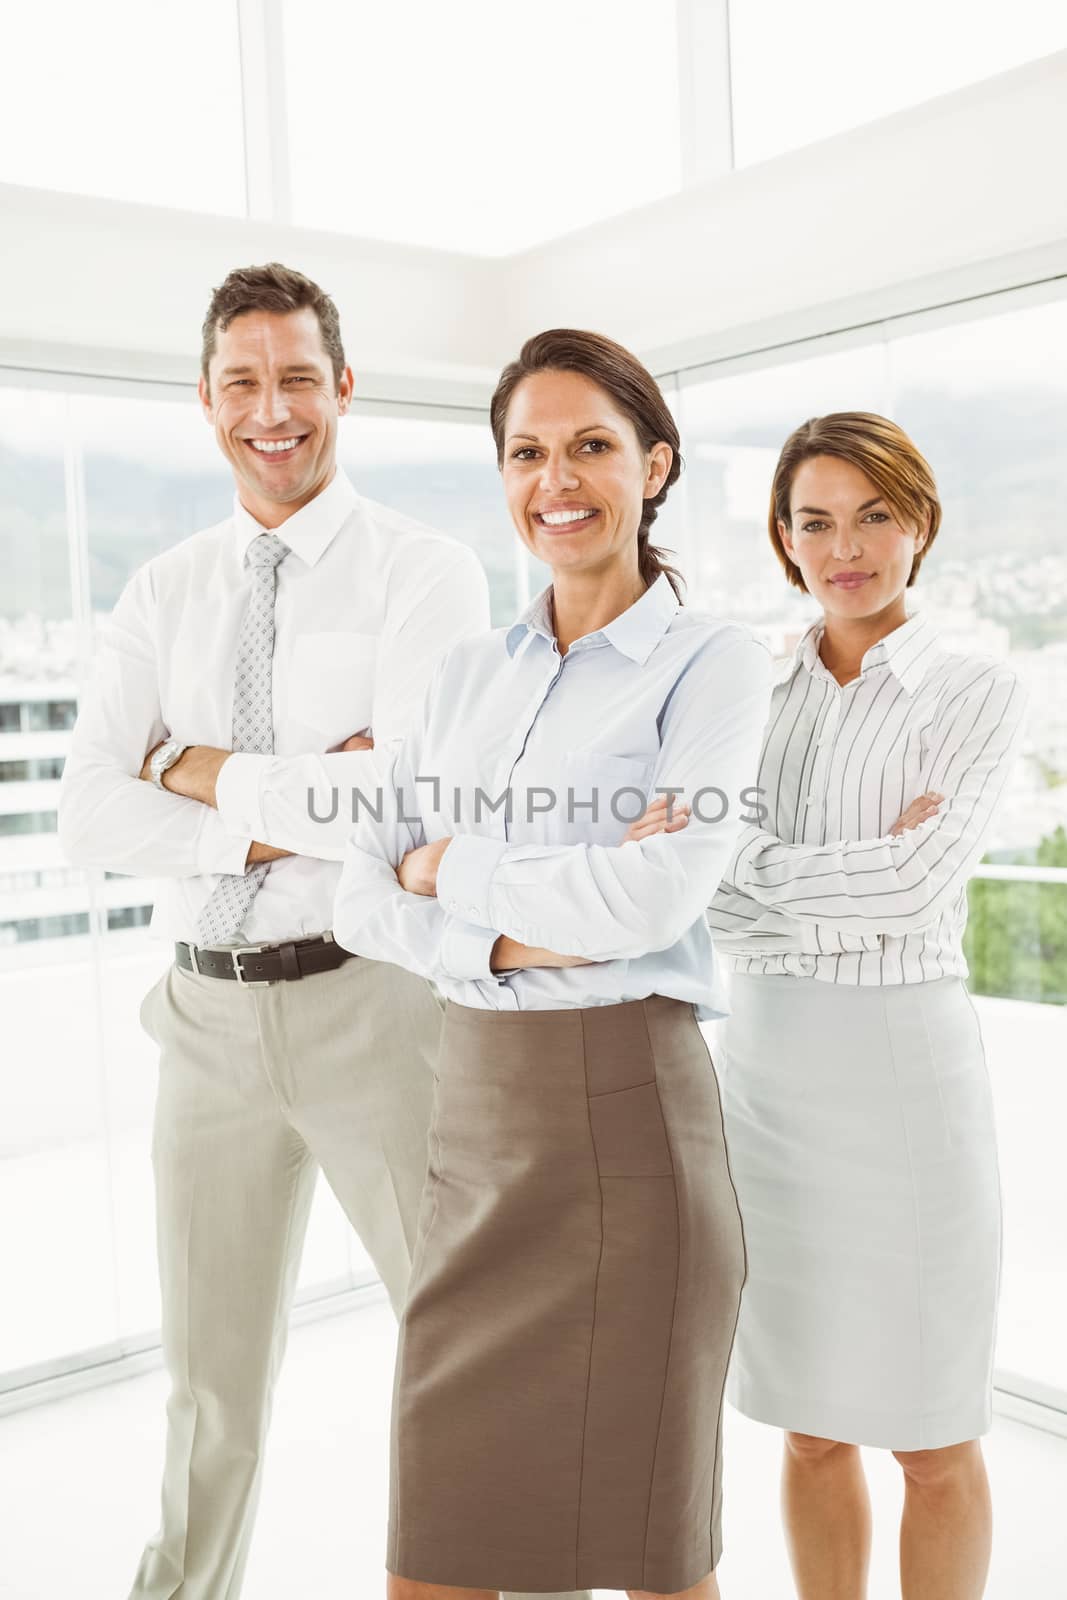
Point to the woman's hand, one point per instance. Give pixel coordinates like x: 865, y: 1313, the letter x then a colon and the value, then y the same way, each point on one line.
x: 417, y: 873
x: 654, y: 820
x: 921, y: 808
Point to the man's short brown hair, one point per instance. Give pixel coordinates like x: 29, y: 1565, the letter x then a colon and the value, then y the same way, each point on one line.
x: 271, y: 288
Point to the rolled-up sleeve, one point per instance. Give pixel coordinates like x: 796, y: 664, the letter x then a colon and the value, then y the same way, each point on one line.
x: 299, y: 803
x: 903, y: 882
x: 374, y: 915
x: 609, y: 902
x: 108, y: 816
x: 742, y: 926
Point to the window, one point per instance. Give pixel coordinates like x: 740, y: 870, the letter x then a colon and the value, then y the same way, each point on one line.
x: 481, y: 156
x: 989, y: 410
x: 45, y: 770
x: 13, y: 882
x: 131, y: 83
x: 13, y: 822
x: 443, y: 474
x: 48, y: 714
x: 45, y: 928
x: 983, y: 401
x: 55, y: 1241
x: 732, y: 430
x: 992, y: 409
x: 129, y: 917
x: 77, y: 1134
x: 153, y: 475
x: 801, y: 73
x: 50, y: 878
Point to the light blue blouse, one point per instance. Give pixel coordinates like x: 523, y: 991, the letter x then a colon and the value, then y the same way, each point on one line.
x: 535, y: 763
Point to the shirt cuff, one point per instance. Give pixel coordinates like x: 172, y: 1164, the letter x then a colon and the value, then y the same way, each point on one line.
x: 810, y: 942
x: 219, y: 850
x: 466, y: 950
x: 237, y: 793
x: 750, y: 842
x: 816, y: 941
x: 465, y: 875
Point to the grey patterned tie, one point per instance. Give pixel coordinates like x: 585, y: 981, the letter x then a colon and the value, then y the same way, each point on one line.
x: 253, y: 727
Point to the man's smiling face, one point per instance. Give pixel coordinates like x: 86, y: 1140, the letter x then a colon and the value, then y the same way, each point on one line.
x: 274, y: 405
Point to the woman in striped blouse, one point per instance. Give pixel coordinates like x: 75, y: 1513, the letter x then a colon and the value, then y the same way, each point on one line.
x: 857, y: 1101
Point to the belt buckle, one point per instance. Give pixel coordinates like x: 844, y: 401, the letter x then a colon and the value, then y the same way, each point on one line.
x: 235, y: 961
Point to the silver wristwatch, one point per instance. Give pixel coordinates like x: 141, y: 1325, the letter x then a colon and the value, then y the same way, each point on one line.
x: 165, y: 757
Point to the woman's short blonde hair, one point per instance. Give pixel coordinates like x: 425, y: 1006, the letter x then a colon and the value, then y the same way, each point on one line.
x: 880, y: 449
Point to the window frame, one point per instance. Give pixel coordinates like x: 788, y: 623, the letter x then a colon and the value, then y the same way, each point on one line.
x: 40, y: 1382
x: 1020, y: 1396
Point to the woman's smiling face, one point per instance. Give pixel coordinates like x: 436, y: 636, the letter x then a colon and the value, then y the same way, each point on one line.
x: 575, y: 474
x: 854, y: 553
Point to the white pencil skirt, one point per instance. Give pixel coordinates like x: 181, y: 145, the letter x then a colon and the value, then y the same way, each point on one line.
x: 859, y: 1126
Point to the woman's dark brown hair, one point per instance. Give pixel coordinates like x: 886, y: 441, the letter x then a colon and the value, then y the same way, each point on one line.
x: 634, y: 391
x: 883, y: 452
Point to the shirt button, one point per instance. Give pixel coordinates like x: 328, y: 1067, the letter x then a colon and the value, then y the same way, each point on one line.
x: 810, y: 801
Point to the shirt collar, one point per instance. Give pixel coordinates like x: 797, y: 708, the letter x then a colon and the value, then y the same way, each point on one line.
x: 310, y: 531
x: 909, y: 652
x: 634, y: 633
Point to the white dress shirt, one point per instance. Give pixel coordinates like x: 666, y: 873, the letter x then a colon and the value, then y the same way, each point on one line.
x: 661, y: 696
x: 367, y: 602
x: 821, y: 889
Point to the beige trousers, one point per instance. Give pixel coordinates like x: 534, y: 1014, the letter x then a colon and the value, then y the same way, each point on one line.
x: 258, y: 1090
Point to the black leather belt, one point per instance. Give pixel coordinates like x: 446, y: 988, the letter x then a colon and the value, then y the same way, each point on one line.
x: 257, y: 965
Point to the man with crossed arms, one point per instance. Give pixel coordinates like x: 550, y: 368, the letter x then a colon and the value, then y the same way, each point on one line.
x: 307, y: 613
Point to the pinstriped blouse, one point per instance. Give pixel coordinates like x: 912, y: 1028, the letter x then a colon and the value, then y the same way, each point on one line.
x: 818, y: 888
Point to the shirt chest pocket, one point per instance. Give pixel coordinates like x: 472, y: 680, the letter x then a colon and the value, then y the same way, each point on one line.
x: 331, y: 683
x: 600, y: 795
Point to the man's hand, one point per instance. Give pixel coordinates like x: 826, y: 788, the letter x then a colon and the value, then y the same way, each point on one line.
x: 510, y: 953
x: 417, y: 873
x: 196, y: 771
x: 654, y: 820
x: 922, y: 807
x: 258, y: 853
x: 193, y: 775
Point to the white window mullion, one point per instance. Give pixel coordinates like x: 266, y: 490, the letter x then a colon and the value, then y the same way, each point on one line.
x: 94, y: 1036
x: 704, y: 99
x: 266, y: 130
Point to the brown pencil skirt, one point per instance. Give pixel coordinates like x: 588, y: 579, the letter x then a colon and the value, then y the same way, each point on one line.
x: 557, y: 1409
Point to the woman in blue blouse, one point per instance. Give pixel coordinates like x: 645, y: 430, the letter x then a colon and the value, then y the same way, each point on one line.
x: 576, y: 1280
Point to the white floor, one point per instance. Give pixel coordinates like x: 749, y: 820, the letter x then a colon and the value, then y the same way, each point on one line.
x: 79, y: 1488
